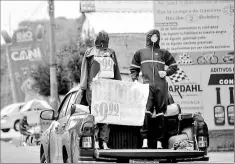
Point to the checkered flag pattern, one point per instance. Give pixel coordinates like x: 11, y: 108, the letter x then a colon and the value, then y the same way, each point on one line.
x: 178, y: 76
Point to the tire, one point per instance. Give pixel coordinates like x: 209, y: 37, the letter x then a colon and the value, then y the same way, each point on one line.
x: 214, y: 60
x: 5, y: 130
x: 66, y: 159
x: 201, y: 60
x: 43, y: 159
x: 17, y: 125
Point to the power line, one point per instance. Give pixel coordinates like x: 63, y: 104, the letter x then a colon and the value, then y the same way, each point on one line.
x: 40, y: 6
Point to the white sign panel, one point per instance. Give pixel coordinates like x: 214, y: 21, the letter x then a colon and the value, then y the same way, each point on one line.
x: 208, y: 89
x: 195, y: 26
x: 115, y: 6
x: 119, y: 102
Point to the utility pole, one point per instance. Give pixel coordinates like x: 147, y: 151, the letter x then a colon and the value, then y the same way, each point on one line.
x: 53, y: 79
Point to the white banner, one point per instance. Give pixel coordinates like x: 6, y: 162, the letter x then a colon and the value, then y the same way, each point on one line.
x: 115, y: 6
x: 195, y: 26
x: 119, y: 102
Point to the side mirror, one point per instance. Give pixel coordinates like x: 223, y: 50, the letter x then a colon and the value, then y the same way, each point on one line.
x: 47, y: 114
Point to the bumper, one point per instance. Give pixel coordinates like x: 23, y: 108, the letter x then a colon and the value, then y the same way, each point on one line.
x: 5, y: 124
x: 160, y: 154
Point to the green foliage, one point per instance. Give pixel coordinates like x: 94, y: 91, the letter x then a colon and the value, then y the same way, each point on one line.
x: 42, y: 78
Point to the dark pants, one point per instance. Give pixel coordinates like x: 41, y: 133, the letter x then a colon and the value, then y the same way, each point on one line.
x: 102, y: 130
x: 157, y: 100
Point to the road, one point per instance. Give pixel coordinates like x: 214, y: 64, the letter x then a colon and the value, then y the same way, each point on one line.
x: 12, y: 153
x: 30, y: 154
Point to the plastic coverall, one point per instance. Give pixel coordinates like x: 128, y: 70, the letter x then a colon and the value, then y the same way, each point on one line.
x: 150, y: 60
x: 97, y: 60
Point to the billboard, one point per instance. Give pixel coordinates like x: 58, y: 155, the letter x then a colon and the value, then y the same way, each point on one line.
x: 208, y: 89
x: 115, y: 6
x: 195, y: 26
x: 24, y: 54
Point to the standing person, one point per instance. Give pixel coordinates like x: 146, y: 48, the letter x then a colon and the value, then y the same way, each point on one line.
x: 151, y: 61
x: 99, y: 62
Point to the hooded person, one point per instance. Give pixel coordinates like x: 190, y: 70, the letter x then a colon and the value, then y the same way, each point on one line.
x: 151, y: 61
x: 99, y: 62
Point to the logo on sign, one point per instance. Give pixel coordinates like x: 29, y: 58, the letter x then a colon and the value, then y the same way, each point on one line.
x: 31, y: 55
x: 24, y: 36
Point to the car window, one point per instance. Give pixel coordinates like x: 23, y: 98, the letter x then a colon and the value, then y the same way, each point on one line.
x: 71, y: 101
x: 63, y: 107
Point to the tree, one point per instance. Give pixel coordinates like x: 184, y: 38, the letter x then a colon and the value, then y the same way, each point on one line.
x: 42, y: 77
x: 76, y: 52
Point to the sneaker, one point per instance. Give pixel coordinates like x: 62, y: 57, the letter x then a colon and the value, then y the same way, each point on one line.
x: 145, y: 143
x: 97, y: 145
x: 159, y: 145
x: 105, y: 146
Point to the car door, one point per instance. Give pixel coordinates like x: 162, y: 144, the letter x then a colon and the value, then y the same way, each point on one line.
x: 63, y: 135
x: 55, y: 157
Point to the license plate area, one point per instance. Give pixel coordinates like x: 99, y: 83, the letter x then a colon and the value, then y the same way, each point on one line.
x: 202, y: 141
x: 86, y: 142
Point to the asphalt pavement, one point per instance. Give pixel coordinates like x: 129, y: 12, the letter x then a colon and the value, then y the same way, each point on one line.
x: 11, y: 152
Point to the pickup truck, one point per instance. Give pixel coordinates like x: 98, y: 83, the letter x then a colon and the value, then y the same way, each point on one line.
x: 70, y: 137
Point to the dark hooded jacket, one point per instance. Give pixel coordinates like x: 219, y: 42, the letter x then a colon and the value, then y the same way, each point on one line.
x: 91, y: 66
x: 152, y: 59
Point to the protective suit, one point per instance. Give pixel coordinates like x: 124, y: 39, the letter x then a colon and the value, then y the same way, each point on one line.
x: 150, y: 61
x: 99, y: 61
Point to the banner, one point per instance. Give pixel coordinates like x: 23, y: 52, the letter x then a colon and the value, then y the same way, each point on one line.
x: 24, y: 54
x: 115, y: 6
x: 119, y: 102
x: 195, y: 26
x: 208, y: 89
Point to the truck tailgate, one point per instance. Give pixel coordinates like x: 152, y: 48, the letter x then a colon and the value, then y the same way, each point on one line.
x: 148, y: 153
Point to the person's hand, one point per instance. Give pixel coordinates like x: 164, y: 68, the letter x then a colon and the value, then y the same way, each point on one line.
x: 96, y: 78
x: 162, y: 74
x: 137, y: 82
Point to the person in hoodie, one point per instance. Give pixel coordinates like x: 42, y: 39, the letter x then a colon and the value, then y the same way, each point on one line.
x: 99, y: 62
x: 151, y: 61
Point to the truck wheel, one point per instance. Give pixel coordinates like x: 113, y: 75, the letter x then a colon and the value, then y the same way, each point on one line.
x: 43, y: 159
x: 17, y: 125
x: 5, y: 130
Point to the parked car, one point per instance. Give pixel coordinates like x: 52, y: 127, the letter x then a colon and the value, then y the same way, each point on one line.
x: 31, y: 109
x: 70, y: 137
x: 12, y: 108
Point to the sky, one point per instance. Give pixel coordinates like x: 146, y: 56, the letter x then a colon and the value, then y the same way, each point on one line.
x: 12, y: 12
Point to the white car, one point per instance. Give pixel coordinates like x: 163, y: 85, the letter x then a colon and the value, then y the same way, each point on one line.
x: 12, y: 108
x: 31, y: 109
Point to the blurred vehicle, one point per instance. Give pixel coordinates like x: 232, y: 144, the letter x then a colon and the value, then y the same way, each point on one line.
x: 12, y: 108
x: 70, y: 136
x: 31, y: 109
